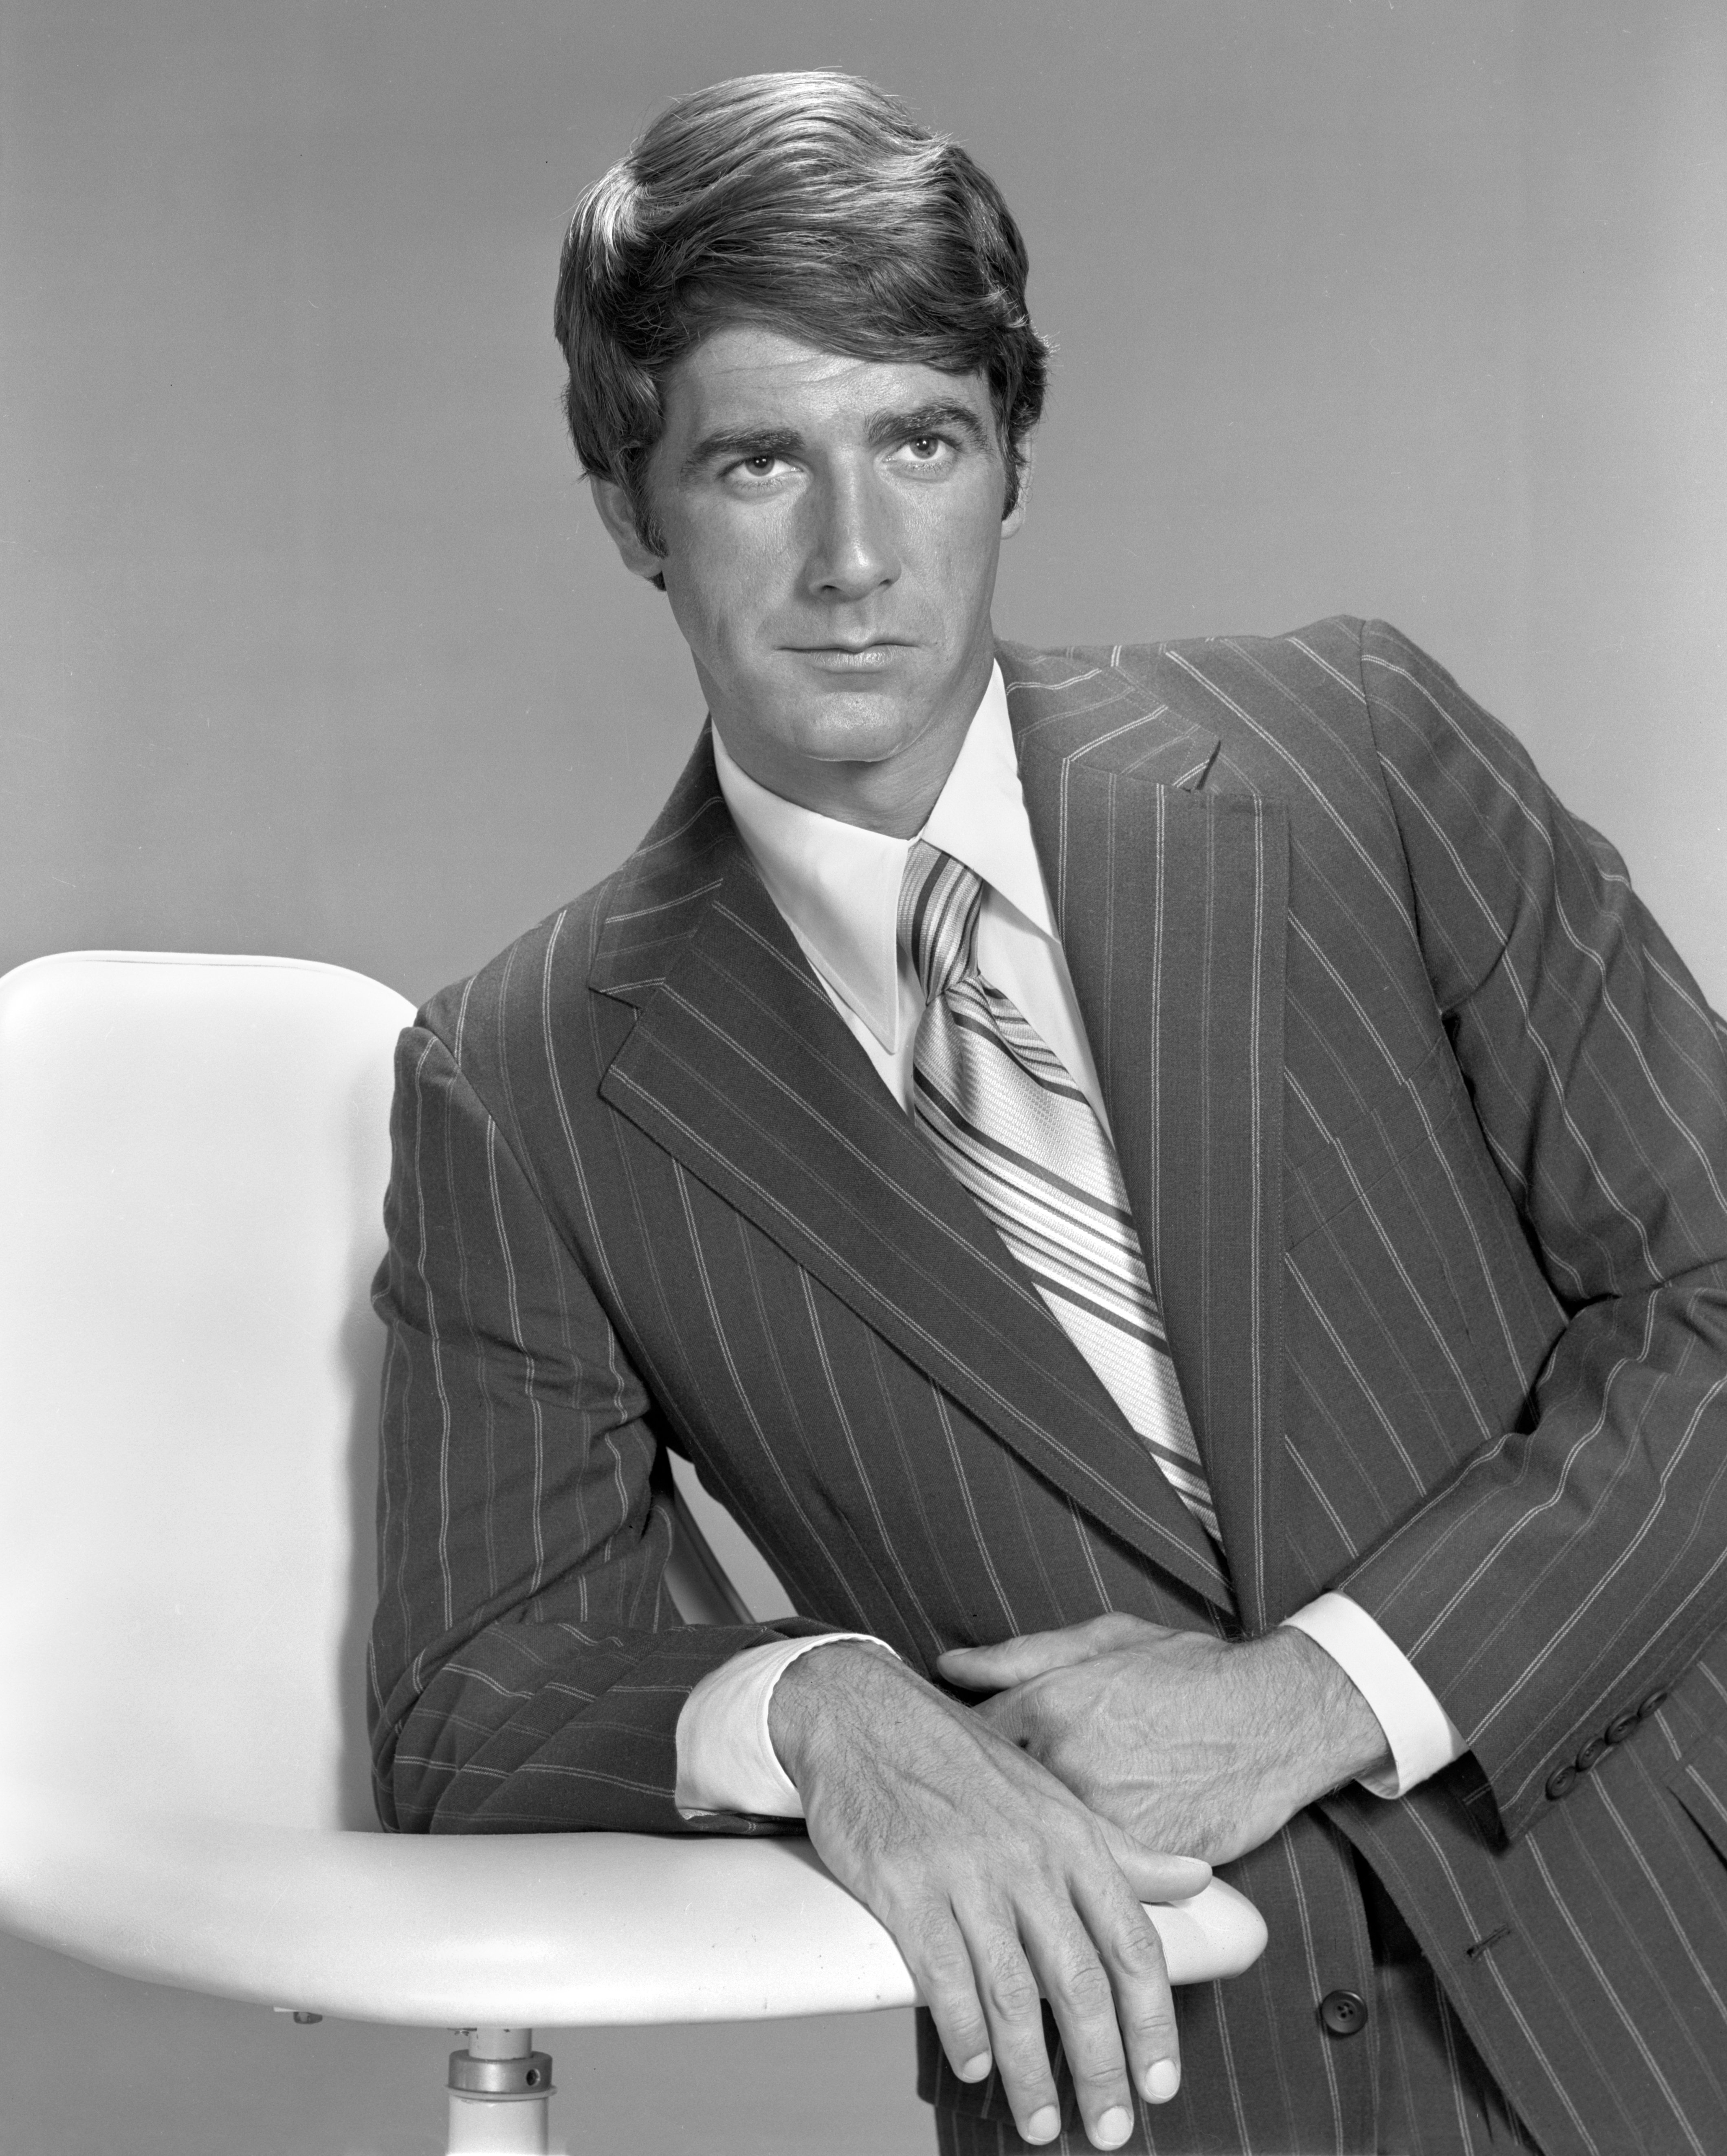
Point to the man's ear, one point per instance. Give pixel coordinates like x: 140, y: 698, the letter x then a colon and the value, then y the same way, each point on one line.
x: 617, y: 515
x: 1016, y: 515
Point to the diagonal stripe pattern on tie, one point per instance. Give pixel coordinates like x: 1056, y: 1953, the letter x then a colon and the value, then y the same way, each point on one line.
x: 1007, y: 1119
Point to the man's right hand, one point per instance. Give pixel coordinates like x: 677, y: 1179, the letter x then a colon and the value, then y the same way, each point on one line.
x: 996, y: 1882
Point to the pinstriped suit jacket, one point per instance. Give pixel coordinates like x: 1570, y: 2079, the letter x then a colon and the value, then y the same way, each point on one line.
x: 1425, y: 1127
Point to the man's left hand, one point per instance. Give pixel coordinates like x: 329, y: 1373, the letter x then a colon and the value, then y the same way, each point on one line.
x: 1192, y: 1744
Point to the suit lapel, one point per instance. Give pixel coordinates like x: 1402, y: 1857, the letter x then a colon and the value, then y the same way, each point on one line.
x: 1171, y: 896
x: 739, y: 1067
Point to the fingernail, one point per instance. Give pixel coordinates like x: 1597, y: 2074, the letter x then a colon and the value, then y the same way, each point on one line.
x: 1162, y: 2079
x: 1044, y: 2124
x: 975, y: 2067
x: 1113, y: 2127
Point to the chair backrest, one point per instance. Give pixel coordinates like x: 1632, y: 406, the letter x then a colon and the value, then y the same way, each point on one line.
x: 193, y: 1156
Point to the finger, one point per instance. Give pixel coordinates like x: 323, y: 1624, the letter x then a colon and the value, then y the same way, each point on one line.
x: 1131, y: 1956
x: 940, y: 1965
x: 1005, y: 1713
x: 1084, y: 1998
x: 1011, y: 1995
x: 1154, y: 1875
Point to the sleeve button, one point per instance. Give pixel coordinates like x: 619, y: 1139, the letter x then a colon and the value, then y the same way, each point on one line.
x: 1595, y: 1748
x: 1561, y: 1781
x: 1343, y: 2013
x: 1655, y: 1699
x: 1621, y: 1726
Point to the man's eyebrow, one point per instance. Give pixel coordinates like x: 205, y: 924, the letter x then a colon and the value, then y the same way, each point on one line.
x: 888, y: 427
x: 730, y: 442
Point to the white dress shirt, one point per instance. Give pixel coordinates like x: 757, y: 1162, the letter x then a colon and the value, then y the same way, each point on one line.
x: 838, y: 886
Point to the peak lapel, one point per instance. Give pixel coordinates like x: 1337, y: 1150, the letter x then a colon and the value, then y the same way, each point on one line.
x: 739, y: 1067
x: 1172, y: 895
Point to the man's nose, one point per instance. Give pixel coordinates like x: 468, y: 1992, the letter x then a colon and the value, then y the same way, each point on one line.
x: 853, y: 546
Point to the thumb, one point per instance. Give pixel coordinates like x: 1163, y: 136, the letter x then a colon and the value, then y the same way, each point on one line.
x: 1030, y: 1655
x: 1155, y: 1875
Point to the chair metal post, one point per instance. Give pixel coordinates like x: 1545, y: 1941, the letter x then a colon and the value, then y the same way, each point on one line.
x: 499, y: 2088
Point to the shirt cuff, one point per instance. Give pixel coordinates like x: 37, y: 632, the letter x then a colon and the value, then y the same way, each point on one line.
x: 726, y: 1760
x: 1422, y: 1736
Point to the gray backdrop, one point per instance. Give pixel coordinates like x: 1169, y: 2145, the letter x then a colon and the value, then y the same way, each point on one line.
x: 311, y: 644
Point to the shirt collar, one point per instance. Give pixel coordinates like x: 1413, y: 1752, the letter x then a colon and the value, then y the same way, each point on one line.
x: 838, y: 885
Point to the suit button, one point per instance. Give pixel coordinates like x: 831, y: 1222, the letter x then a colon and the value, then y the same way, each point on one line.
x: 1621, y: 1726
x: 1590, y: 1753
x: 1655, y: 1699
x: 1343, y: 2013
x: 1560, y: 1782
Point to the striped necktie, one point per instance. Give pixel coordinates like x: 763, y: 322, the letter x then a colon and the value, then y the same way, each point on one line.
x: 1010, y: 1122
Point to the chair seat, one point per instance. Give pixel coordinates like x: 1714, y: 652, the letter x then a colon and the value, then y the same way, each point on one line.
x: 540, y: 1930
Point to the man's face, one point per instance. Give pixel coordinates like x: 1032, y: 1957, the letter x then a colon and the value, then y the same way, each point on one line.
x: 831, y: 527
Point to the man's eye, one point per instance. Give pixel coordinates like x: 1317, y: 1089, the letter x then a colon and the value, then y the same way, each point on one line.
x: 764, y: 464
x: 926, y: 449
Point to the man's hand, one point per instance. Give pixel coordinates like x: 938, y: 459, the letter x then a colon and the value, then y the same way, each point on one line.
x: 1188, y: 1742
x: 996, y: 1882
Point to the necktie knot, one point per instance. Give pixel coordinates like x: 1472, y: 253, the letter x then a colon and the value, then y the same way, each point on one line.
x: 939, y: 902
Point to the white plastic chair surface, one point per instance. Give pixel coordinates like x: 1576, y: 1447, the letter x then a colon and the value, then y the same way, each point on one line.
x: 193, y: 1155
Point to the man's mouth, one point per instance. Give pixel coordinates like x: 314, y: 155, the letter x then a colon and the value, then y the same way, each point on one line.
x: 876, y: 652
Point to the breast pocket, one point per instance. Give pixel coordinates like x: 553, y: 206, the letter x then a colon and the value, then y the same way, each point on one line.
x: 1344, y: 1168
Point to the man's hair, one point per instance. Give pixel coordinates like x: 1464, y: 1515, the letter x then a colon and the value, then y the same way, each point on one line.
x: 812, y: 202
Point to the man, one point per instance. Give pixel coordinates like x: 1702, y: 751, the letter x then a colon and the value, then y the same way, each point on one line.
x: 1174, y: 1190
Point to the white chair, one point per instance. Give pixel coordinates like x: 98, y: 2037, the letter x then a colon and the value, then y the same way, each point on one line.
x: 192, y: 1151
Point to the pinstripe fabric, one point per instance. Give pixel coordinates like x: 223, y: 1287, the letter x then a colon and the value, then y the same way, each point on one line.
x: 1422, y: 1125
x: 1006, y: 1118
x: 1434, y: 2096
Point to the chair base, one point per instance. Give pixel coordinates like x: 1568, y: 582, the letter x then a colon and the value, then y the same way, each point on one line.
x: 500, y: 2092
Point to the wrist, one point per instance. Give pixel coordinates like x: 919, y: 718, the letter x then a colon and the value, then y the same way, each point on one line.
x: 1326, y: 1733
x: 815, y: 1689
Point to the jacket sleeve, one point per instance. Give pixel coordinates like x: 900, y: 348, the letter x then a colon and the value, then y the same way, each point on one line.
x: 527, y: 1667
x: 1577, y: 1566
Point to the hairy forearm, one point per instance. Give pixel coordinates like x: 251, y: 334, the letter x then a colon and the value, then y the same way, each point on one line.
x: 1316, y: 1731
x: 824, y: 1700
